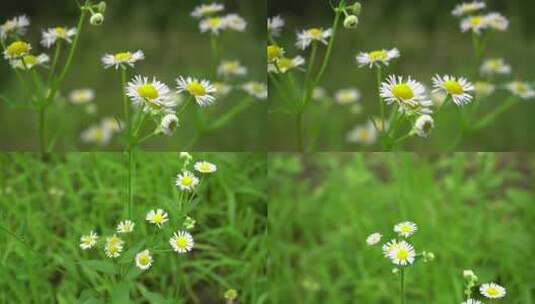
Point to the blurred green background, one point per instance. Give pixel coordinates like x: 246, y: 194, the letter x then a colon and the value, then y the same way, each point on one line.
x: 430, y: 42
x: 473, y: 211
x: 173, y: 46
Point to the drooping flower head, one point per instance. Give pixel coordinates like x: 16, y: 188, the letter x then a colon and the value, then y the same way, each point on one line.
x: 205, y: 10
x: 285, y: 64
x: 201, y: 89
x: 459, y: 88
x: 182, y: 242
x: 51, y: 35
x: 15, y: 26
x: 468, y: 8
x: 169, y: 124
x: 122, y: 59
x: 29, y: 61
x: 306, y: 37
x: 424, y: 125
x: 377, y: 58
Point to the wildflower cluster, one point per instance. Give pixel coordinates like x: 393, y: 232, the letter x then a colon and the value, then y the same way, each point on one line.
x: 490, y: 291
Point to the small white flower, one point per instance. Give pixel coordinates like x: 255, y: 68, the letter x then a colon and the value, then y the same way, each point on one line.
x: 17, y: 49
x: 205, y: 10
x: 212, y: 24
x: 363, y: 134
x: 256, y: 89
x: 484, y: 89
x: 16, y: 26
x: 113, y: 247
x: 497, y: 22
x: 144, y: 260
x: 231, y: 68
x: 201, y: 90
x: 347, y: 96
x: 492, y: 291
x: 205, y: 167
x: 234, y: 22
x: 374, y: 238
x: 274, y: 53
x: 186, y: 181
x: 126, y: 226
x: 285, y: 64
x: 157, y: 217
x: 468, y: 8
x: 405, y: 229
x: 222, y: 89
x: 495, y: 66
x: 306, y: 37
x: 151, y: 95
x: 51, y: 35
x: 81, y: 96
x: 457, y: 87
x: 376, y: 58
x: 169, y: 124
x: 29, y: 61
x: 275, y: 25
x: 409, y: 95
x: 182, y: 242
x: 424, y: 125
x: 472, y: 301
x: 389, y: 246
x: 319, y: 93
x: 97, y: 134
x: 521, y: 89
x: 474, y: 23
x: 403, y: 254
x: 111, y: 124
x: 122, y: 59
x: 88, y: 241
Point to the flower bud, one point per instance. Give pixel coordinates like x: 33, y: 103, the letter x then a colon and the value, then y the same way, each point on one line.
x: 101, y: 7
x: 355, y: 8
x: 97, y: 19
x: 351, y: 22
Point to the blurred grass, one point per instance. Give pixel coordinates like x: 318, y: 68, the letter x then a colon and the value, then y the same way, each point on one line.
x: 430, y: 42
x: 474, y: 211
x: 49, y: 267
x: 173, y: 46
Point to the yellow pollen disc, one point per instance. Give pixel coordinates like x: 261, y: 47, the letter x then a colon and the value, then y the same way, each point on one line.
x: 521, y: 88
x: 315, y: 33
x: 285, y: 63
x: 273, y: 52
x: 402, y: 254
x: 148, y: 91
x: 18, y: 48
x: 144, y: 260
x: 181, y: 242
x: 402, y: 91
x: 60, y: 31
x: 186, y: 181
x: 30, y: 60
x: 214, y: 22
x: 405, y: 228
x: 453, y: 87
x: 157, y: 218
x: 124, y: 56
x: 378, y: 55
x: 364, y: 134
x: 196, y: 89
x: 475, y: 21
x: 492, y: 291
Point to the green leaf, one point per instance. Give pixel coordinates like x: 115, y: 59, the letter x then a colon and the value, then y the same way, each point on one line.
x: 120, y: 294
x: 101, y: 266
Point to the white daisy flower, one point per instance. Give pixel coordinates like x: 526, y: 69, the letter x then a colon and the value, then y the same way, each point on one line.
x: 363, y: 134
x: 492, y: 291
x: 51, y: 35
x: 275, y: 25
x: 374, y: 238
x: 88, y: 241
x: 17, y: 50
x: 212, y: 24
x: 169, y: 124
x: 29, y: 61
x: 81, y: 96
x: 376, y: 58
x: 15, y: 26
x: 495, y: 66
x: 468, y: 8
x: 403, y: 254
x: 201, y: 90
x: 256, y: 89
x: 319, y: 93
x: 205, y: 10
x: 405, y: 229
x: 521, y: 89
x: 122, y: 59
x: 424, y: 125
x: 144, y: 260
x: 274, y: 52
x: 230, y: 68
x: 234, y: 22
x: 111, y: 124
x: 497, y: 22
x: 96, y: 134
x: 305, y: 37
x: 474, y: 23
x: 182, y: 241
x: 205, y: 167
x: 284, y: 64
x: 472, y: 301
x: 457, y: 87
x: 114, y: 246
x: 347, y: 96
x: 186, y: 181
x: 157, y: 217
x: 389, y: 246
x: 151, y: 95
x: 126, y: 226
x: 409, y: 95
x: 222, y: 89
x: 484, y: 89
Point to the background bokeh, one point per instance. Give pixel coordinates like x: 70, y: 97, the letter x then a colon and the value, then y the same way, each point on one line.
x: 473, y: 211
x: 173, y: 46
x: 430, y: 42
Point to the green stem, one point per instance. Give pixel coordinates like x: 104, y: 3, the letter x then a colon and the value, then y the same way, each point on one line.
x: 125, y: 104
x: 130, y: 182
x: 54, y: 62
x: 299, y: 130
x: 42, y: 131
x: 491, y: 117
x: 73, y: 47
x: 215, y: 55
x: 338, y: 13
x: 184, y: 107
x: 311, y: 61
x: 381, y: 103
x: 402, y: 285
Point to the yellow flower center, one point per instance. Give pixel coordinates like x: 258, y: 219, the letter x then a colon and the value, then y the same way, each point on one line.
x: 402, y: 254
x: 405, y: 228
x: 157, y: 218
x: 285, y: 63
x: 187, y: 181
x: 521, y: 88
x: 257, y: 88
x: 364, y: 134
x: 181, y: 242
x: 492, y: 291
x: 402, y: 91
x: 144, y: 260
x: 453, y: 87
x: 124, y: 56
x: 60, y: 31
x: 476, y: 20
x: 315, y: 33
x: 30, y: 60
x: 196, y: 89
x: 214, y: 22
x: 378, y: 55
x: 274, y: 52
x: 18, y: 48
x: 148, y: 91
